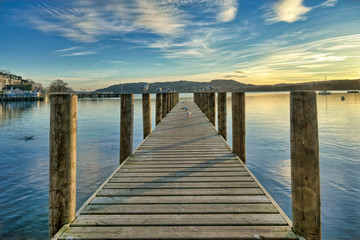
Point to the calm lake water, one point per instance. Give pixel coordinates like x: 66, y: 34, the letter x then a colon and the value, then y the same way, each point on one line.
x: 24, y: 164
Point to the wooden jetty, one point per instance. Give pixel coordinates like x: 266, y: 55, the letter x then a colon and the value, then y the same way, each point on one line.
x: 182, y: 182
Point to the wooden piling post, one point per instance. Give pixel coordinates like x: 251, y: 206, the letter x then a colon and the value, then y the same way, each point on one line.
x: 146, y: 109
x: 62, y: 161
x: 305, y: 169
x: 198, y: 100
x: 222, y: 115
x: 168, y: 103
x: 171, y: 100
x: 126, y: 126
x: 207, y: 105
x: 238, y: 122
x: 158, y: 108
x: 212, y: 107
x: 204, y: 104
x: 164, y: 104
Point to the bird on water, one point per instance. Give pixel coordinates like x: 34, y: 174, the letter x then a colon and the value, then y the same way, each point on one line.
x: 29, y: 138
x: 145, y: 88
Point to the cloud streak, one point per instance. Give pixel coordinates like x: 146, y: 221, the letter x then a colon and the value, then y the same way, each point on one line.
x: 292, y: 10
x: 287, y: 11
x: 82, y: 53
x: 90, y: 21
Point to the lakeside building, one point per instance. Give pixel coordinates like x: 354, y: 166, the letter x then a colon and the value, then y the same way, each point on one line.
x: 11, y: 81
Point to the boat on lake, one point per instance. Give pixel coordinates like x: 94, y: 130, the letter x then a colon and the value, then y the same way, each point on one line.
x: 326, y: 92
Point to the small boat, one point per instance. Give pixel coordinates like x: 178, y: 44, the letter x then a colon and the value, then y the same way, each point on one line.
x: 326, y: 92
x: 353, y: 91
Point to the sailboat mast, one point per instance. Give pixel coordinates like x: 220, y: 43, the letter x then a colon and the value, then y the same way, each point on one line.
x: 325, y: 84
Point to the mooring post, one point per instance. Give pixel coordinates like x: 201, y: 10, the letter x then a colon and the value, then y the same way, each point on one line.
x: 158, y: 108
x: 222, y: 112
x: 146, y: 109
x: 212, y: 108
x: 168, y: 103
x: 62, y: 161
x: 305, y: 169
x: 207, y: 104
x: 172, y: 100
x: 126, y: 126
x: 163, y: 105
x: 238, y: 122
x: 200, y: 100
x: 203, y: 102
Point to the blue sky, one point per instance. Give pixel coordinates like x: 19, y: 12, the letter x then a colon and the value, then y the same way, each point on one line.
x: 92, y: 44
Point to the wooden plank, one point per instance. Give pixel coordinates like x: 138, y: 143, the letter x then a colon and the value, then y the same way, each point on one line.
x: 181, y: 232
x: 182, y: 169
x: 181, y: 199
x: 181, y: 157
x: 175, y: 185
x: 176, y: 164
x: 234, y: 208
x: 180, y: 174
x: 176, y: 219
x: 180, y: 192
x: 182, y: 179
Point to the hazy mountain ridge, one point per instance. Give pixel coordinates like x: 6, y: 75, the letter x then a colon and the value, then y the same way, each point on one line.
x: 226, y: 85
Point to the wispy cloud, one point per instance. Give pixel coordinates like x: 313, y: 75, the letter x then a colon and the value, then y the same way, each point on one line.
x: 329, y: 3
x: 90, y: 21
x: 287, y: 11
x: 83, y: 53
x: 233, y: 76
x: 74, y: 51
x: 287, y: 61
x: 110, y: 61
x: 292, y: 10
x: 66, y: 50
x: 228, y: 10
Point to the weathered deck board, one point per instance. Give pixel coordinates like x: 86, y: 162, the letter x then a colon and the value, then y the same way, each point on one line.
x: 183, y: 182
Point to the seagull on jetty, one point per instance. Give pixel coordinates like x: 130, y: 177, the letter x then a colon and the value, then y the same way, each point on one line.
x: 159, y: 89
x: 209, y: 89
x: 29, y: 138
x: 145, y: 88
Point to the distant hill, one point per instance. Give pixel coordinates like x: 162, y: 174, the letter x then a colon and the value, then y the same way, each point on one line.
x: 226, y: 85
